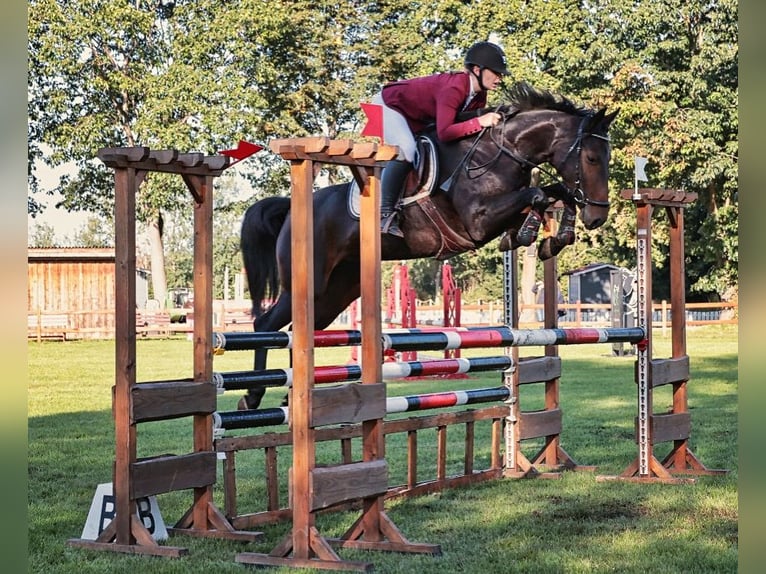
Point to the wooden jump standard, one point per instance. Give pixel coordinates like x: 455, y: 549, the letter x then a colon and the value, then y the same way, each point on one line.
x: 313, y: 488
x: 136, y: 403
x: 551, y: 459
x: 651, y: 427
x: 674, y: 425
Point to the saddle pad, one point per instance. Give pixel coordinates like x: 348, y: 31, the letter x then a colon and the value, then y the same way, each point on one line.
x: 353, y: 199
x: 427, y: 170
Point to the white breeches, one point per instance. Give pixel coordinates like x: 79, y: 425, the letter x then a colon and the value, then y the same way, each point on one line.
x: 396, y: 131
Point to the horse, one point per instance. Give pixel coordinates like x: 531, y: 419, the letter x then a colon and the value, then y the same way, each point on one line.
x: 482, y: 191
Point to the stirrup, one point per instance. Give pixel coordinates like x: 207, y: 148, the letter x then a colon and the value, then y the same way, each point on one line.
x: 390, y: 225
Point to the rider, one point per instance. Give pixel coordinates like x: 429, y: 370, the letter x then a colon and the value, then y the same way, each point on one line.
x: 410, y: 105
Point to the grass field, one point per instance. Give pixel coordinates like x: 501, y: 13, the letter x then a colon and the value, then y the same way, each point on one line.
x: 574, y: 524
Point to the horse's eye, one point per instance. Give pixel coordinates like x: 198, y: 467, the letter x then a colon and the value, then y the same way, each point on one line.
x: 591, y: 159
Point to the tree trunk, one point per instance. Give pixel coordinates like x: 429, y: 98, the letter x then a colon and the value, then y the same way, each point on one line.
x: 159, y: 280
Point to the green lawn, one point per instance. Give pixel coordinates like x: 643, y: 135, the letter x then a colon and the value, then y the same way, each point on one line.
x: 574, y: 524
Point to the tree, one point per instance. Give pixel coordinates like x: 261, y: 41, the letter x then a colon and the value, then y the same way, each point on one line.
x: 197, y: 76
x: 41, y: 235
x: 155, y: 74
x: 97, y: 232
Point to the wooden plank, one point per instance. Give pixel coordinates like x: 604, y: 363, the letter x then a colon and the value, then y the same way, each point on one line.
x: 138, y: 549
x: 168, y: 474
x: 340, y: 147
x: 169, y: 400
x: 538, y: 369
x: 387, y: 152
x: 363, y: 150
x: 669, y: 426
x: 349, y: 403
x: 277, y: 439
x: 190, y: 159
x: 334, y: 484
x: 664, y: 371
x: 120, y: 156
x: 125, y: 191
x: 431, y: 486
x: 534, y: 424
x: 217, y: 162
x: 163, y: 156
x: 441, y: 419
x: 661, y: 196
x: 441, y: 453
x: 309, y: 144
x: 304, y: 453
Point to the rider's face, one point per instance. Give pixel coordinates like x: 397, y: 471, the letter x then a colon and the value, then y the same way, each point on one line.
x: 490, y: 79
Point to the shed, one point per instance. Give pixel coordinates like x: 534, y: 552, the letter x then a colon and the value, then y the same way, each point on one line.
x: 591, y: 284
x: 73, y: 288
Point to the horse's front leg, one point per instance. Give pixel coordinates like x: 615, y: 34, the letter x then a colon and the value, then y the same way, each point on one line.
x: 535, y: 201
x: 529, y: 229
x: 552, y: 246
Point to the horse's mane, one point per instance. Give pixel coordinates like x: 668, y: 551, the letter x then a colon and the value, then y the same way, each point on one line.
x: 523, y: 97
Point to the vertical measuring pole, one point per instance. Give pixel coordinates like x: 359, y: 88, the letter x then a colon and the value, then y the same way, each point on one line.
x: 644, y: 351
x: 510, y: 376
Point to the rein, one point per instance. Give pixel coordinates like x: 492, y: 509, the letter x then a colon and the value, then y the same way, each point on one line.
x: 575, y: 195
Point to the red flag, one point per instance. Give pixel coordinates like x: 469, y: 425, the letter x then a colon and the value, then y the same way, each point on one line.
x: 242, y: 151
x: 374, y: 127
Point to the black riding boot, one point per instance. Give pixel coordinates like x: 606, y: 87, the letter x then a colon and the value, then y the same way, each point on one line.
x: 391, y: 184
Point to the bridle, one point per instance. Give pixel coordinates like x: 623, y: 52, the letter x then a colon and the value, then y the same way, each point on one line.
x: 577, y: 194
x: 574, y: 195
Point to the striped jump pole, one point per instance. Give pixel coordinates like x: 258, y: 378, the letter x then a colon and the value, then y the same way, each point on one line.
x: 248, y: 341
x: 437, y: 339
x: 237, y: 380
x: 507, y: 337
x: 232, y: 420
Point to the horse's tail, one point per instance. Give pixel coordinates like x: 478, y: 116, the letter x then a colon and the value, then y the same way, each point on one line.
x: 258, y: 242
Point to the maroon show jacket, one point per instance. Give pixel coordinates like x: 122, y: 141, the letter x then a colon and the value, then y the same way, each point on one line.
x: 436, y: 98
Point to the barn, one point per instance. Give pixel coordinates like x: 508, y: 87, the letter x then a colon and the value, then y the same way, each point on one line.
x: 70, y: 292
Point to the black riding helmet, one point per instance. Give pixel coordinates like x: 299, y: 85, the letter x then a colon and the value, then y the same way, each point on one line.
x: 486, y: 55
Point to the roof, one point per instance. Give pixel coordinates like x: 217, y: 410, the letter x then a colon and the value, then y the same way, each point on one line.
x: 591, y: 267
x: 71, y: 254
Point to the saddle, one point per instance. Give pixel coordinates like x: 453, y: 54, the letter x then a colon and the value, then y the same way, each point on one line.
x: 426, y: 169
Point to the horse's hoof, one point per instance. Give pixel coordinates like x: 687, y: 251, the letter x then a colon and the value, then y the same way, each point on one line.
x: 242, y: 405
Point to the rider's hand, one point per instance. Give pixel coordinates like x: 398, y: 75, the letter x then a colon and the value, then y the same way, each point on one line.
x: 489, y: 120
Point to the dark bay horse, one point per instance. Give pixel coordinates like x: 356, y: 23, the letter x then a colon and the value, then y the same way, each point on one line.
x: 487, y: 192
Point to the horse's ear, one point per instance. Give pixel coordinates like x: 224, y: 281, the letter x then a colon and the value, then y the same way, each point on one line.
x: 601, y: 121
x: 610, y: 118
x: 595, y: 120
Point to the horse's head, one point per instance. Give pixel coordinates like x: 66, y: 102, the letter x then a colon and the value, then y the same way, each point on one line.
x: 583, y: 162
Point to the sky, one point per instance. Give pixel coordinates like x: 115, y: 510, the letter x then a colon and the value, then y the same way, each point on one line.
x: 64, y: 223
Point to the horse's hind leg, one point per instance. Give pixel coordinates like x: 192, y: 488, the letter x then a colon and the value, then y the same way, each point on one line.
x: 272, y: 320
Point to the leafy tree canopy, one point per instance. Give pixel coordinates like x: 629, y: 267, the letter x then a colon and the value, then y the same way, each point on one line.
x: 198, y: 76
